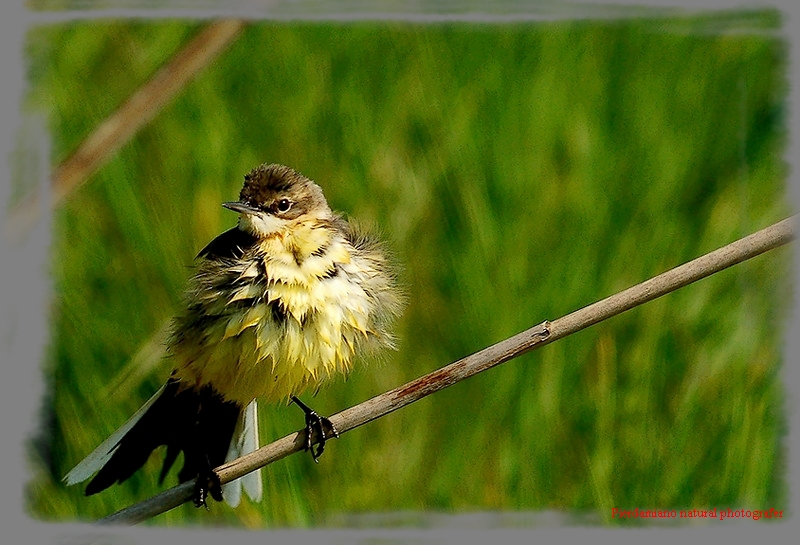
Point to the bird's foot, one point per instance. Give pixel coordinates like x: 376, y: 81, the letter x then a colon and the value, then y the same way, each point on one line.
x: 207, y: 483
x: 316, y: 425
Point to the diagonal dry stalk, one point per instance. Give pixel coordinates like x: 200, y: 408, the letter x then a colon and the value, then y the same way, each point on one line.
x: 743, y: 249
x: 119, y: 127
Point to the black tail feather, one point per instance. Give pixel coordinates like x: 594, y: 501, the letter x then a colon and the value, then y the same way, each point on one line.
x: 198, y: 422
x: 169, y: 459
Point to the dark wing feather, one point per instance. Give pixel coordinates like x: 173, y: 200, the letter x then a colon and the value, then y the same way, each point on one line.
x: 230, y: 244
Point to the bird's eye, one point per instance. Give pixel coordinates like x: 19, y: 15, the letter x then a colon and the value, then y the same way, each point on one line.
x: 283, y: 205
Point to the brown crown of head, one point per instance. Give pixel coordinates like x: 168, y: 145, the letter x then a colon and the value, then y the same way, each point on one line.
x: 267, y: 184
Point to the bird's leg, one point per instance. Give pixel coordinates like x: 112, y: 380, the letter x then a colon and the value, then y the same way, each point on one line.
x: 207, y: 483
x: 316, y: 423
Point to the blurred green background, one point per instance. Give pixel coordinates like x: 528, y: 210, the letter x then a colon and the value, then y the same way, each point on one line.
x: 519, y: 171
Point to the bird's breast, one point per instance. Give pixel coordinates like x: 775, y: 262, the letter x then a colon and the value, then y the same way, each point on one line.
x: 278, y: 324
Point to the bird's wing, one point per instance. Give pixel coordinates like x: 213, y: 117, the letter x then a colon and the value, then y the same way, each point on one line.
x: 245, y: 440
x: 99, y: 456
x: 230, y: 244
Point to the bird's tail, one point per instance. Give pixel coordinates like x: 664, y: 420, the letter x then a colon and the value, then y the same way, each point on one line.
x: 245, y: 440
x: 199, y: 422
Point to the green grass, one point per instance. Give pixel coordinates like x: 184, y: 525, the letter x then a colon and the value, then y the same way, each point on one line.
x: 520, y: 171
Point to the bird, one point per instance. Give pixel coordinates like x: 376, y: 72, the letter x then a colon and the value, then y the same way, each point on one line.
x: 281, y: 303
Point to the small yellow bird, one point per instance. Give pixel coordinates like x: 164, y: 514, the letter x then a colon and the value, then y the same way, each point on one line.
x: 278, y: 305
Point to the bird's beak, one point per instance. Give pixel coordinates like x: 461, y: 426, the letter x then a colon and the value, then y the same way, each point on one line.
x: 240, y: 207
